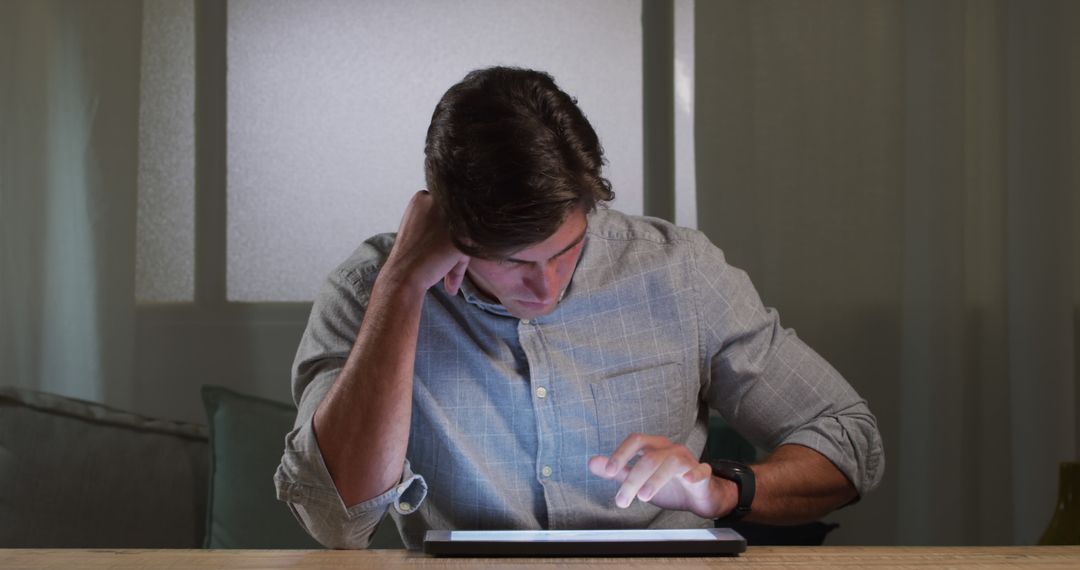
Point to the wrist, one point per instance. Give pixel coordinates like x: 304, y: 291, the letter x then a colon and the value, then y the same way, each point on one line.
x: 726, y: 495
x: 741, y: 477
x: 394, y: 281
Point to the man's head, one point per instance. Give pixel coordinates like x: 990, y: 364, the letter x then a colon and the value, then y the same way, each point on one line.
x: 508, y: 157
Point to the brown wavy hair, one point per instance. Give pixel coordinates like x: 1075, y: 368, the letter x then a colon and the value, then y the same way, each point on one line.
x: 508, y: 156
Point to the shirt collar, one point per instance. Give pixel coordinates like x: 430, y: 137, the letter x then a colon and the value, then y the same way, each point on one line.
x: 473, y: 296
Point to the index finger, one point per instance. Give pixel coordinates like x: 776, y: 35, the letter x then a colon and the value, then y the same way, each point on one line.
x: 630, y: 448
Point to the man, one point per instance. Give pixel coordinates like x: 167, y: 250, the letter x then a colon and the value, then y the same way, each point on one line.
x: 517, y: 357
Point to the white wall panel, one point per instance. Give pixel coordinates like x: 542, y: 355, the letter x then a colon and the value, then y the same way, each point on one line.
x: 329, y: 104
x: 165, y: 226
x: 685, y: 176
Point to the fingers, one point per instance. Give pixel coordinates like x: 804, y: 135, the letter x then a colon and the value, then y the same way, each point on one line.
x: 645, y: 478
x: 660, y: 464
x: 418, y: 205
x: 656, y: 471
x: 644, y: 485
x: 598, y: 466
x: 631, y: 447
x: 423, y: 252
x: 699, y: 474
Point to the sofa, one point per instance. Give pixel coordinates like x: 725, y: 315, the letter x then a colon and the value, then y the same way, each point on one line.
x: 84, y: 475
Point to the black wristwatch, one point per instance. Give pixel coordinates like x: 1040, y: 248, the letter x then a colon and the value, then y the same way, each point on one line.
x: 743, y: 477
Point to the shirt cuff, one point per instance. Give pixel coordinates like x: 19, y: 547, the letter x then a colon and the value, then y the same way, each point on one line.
x: 303, y: 479
x: 851, y: 443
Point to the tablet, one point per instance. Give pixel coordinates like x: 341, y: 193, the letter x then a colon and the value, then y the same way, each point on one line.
x: 649, y: 542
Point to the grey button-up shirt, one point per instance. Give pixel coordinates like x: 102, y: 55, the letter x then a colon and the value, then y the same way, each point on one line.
x: 654, y: 329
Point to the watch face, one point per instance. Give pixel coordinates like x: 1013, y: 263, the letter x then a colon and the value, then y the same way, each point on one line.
x: 731, y: 469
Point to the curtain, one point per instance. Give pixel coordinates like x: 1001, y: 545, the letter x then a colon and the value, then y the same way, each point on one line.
x: 69, y: 92
x: 900, y: 180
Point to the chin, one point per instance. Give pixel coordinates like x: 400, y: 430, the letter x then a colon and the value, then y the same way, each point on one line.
x: 525, y: 310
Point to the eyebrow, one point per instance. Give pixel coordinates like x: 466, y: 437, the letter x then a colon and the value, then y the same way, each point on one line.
x: 562, y: 251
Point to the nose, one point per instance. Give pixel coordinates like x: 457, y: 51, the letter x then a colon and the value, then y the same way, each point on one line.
x: 541, y: 282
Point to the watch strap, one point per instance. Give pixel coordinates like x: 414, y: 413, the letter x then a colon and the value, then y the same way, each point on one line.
x: 743, y: 476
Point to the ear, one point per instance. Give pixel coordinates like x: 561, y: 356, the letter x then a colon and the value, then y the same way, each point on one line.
x: 452, y: 281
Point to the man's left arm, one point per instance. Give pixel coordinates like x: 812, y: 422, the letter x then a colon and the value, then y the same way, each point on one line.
x: 794, y: 485
x: 773, y: 390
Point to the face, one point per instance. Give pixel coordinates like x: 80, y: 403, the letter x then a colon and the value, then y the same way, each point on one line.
x: 530, y: 281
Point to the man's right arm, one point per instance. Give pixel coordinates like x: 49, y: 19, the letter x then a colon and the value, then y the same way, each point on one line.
x: 361, y: 425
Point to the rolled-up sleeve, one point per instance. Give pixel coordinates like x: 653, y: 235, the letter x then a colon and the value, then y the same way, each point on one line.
x: 770, y: 386
x: 304, y: 483
x: 302, y: 479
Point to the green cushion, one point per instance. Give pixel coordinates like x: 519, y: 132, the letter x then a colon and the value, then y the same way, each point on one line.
x: 247, y: 436
x: 726, y: 443
x: 77, y: 474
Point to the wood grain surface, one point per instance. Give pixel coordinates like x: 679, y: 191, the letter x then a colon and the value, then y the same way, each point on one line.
x: 755, y: 557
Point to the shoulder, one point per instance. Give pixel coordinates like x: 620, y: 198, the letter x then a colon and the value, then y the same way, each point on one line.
x: 613, y: 226
x: 615, y: 236
x: 620, y: 245
x: 361, y: 267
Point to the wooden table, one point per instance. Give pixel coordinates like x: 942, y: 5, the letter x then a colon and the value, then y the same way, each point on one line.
x: 755, y: 557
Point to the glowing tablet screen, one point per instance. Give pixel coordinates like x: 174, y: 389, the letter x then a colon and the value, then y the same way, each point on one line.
x: 581, y: 535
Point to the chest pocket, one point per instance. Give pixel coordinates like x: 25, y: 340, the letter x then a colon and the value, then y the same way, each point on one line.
x: 651, y: 401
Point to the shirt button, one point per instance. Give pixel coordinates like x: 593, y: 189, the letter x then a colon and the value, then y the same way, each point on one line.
x: 546, y: 471
x: 404, y: 506
x: 541, y: 392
